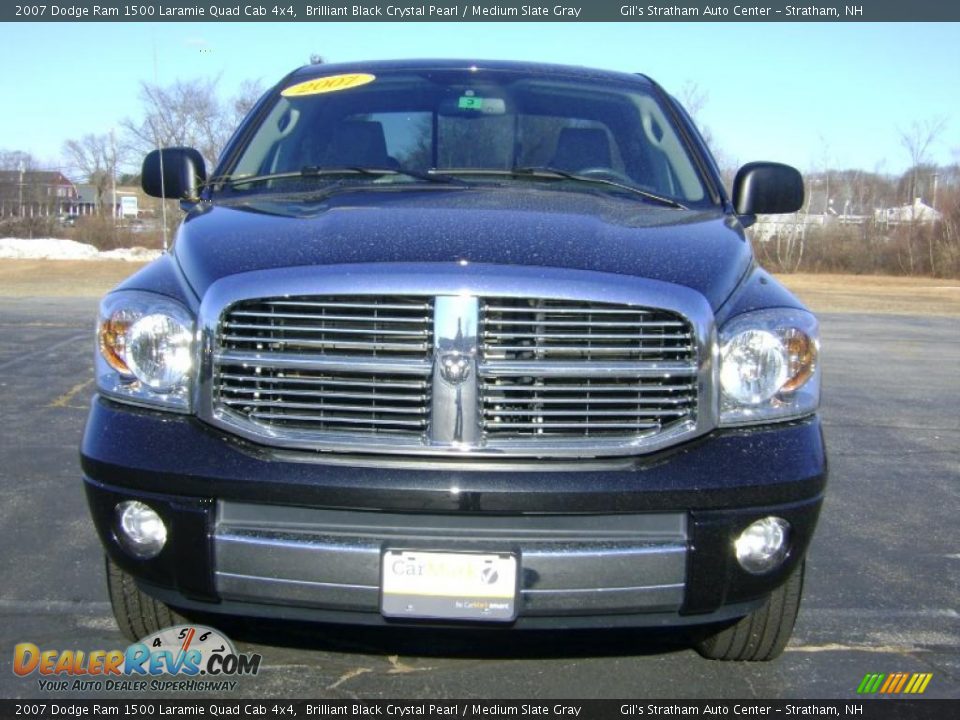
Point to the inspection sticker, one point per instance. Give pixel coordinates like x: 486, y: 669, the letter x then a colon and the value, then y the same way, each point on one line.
x: 331, y: 83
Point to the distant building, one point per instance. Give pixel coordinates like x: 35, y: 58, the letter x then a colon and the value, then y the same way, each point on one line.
x: 821, y: 211
x: 131, y: 202
x: 918, y: 212
x: 36, y: 193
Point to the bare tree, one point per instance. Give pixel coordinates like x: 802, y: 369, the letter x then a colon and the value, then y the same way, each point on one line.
x: 94, y: 158
x: 917, y: 141
x: 15, y: 159
x: 694, y: 99
x: 188, y: 113
x: 247, y: 96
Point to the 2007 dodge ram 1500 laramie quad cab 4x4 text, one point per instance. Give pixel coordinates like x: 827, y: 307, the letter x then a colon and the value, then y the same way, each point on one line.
x: 461, y: 343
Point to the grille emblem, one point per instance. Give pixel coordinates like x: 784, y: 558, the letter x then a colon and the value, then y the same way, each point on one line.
x: 454, y: 417
x: 455, y: 367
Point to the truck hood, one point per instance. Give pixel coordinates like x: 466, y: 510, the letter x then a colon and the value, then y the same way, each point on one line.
x: 703, y: 250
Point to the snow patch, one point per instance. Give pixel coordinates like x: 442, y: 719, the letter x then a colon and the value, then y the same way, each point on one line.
x: 55, y: 249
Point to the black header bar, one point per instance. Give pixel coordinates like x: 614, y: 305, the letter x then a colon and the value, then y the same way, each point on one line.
x: 479, y: 11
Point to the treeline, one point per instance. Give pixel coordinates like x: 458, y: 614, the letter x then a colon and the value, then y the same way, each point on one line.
x: 187, y: 113
x: 844, y: 225
x: 869, y: 223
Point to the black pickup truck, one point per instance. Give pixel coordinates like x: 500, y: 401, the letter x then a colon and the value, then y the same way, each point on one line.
x: 461, y: 343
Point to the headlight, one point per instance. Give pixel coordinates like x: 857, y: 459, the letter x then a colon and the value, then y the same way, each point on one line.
x: 769, y: 367
x: 146, y: 350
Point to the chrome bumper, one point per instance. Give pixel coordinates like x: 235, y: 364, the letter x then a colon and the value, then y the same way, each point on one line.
x: 569, y: 564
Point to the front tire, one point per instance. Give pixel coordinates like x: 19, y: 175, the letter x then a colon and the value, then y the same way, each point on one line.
x: 137, y: 614
x: 763, y: 634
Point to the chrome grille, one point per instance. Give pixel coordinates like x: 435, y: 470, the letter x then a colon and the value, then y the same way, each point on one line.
x: 453, y: 373
x: 381, y: 326
x: 584, y: 370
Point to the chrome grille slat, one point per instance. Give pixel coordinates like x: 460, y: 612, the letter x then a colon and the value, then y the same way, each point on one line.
x: 352, y: 304
x: 331, y: 330
x: 626, y: 337
x: 335, y: 420
x: 325, y: 316
x: 334, y: 363
x: 587, y: 413
x: 315, y: 393
x: 399, y: 385
x: 572, y: 368
x: 592, y: 323
x: 589, y: 348
x: 323, y: 406
x: 595, y: 401
x: 579, y: 426
x: 261, y: 342
x: 578, y: 309
x: 558, y: 387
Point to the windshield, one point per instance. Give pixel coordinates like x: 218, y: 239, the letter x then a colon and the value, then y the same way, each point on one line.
x: 479, y: 127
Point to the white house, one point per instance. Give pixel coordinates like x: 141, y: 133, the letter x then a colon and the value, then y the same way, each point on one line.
x: 917, y: 212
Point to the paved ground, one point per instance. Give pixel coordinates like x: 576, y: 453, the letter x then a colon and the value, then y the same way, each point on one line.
x: 883, y: 590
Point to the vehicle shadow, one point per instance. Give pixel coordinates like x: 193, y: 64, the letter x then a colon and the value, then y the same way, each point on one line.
x: 453, y: 642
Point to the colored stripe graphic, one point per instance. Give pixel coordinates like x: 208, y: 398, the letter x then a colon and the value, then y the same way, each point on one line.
x: 891, y: 682
x: 903, y: 681
x: 894, y: 684
x: 870, y: 683
x: 918, y: 683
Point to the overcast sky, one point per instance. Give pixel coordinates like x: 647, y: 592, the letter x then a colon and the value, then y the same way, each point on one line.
x: 811, y: 95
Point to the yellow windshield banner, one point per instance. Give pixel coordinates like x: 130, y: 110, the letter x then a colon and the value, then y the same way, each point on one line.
x: 331, y: 83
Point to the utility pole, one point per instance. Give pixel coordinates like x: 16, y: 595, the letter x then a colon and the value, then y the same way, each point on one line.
x: 156, y: 135
x: 113, y: 174
x: 20, y: 206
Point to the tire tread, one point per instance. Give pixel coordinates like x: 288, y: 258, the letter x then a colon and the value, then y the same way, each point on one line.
x: 763, y: 634
x: 137, y: 614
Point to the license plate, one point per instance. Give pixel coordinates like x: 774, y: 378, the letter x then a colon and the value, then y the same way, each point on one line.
x: 448, y: 586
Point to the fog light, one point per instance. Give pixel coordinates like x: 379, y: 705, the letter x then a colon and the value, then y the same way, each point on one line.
x: 140, y: 530
x: 763, y: 546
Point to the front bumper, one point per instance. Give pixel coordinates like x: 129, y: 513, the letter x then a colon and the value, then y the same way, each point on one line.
x: 640, y: 541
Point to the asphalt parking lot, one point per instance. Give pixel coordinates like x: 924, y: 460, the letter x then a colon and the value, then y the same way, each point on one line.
x: 883, y: 583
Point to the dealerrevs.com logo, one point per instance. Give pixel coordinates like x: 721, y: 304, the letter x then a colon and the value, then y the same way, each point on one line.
x: 182, y: 658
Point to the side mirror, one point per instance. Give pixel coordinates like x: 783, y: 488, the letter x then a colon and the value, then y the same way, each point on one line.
x: 174, y: 173
x: 767, y: 188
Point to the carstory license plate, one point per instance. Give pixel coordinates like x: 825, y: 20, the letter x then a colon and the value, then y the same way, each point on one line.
x: 448, y: 586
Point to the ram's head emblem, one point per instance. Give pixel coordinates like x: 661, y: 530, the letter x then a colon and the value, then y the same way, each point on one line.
x: 455, y: 367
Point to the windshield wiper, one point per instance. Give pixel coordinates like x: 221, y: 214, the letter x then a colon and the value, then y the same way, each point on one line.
x: 550, y: 173
x: 312, y: 171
